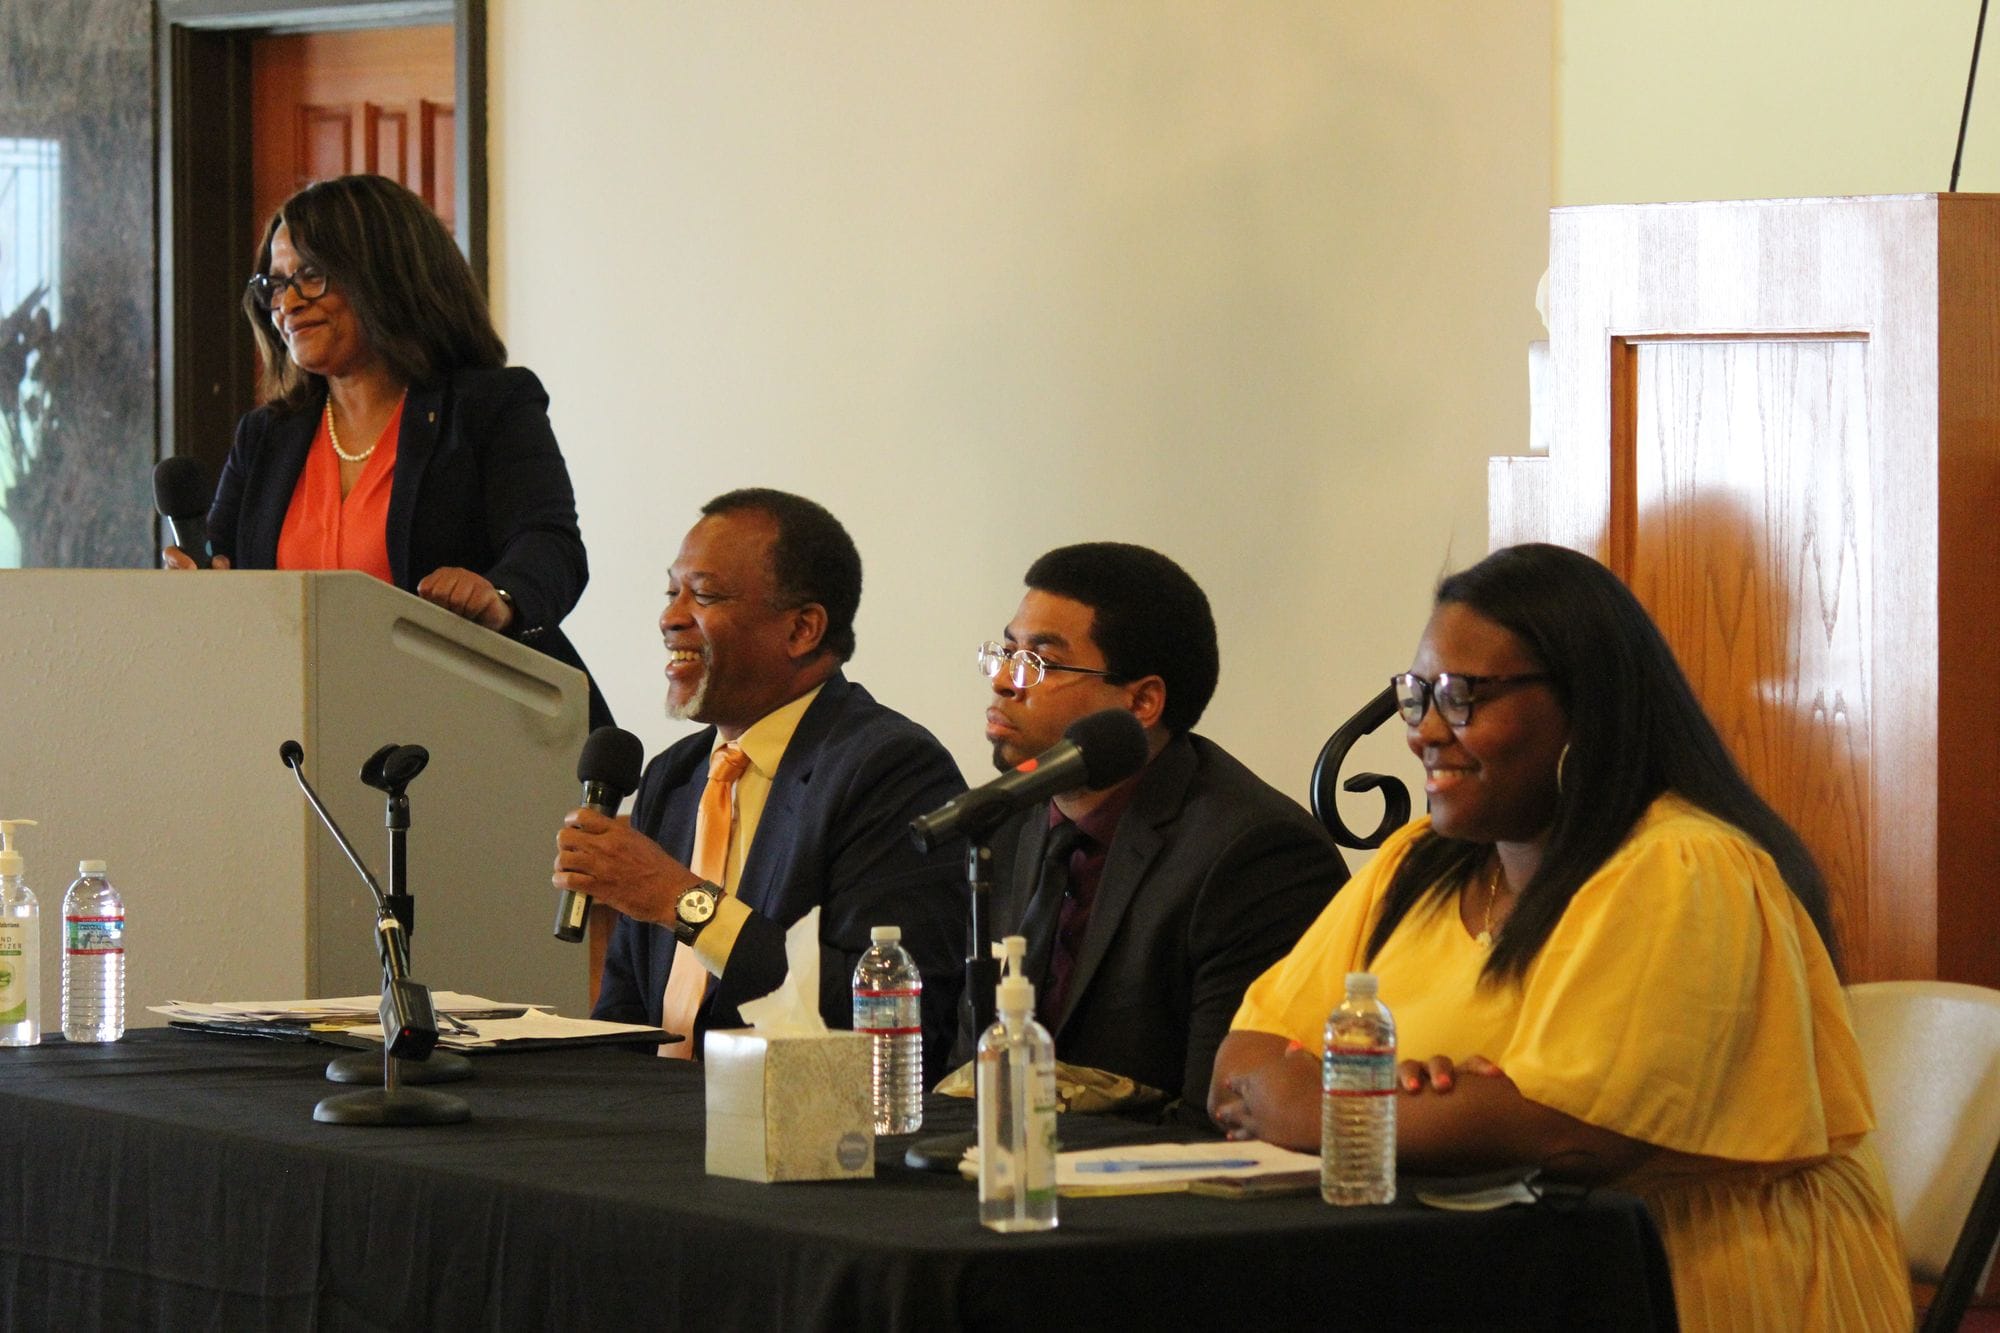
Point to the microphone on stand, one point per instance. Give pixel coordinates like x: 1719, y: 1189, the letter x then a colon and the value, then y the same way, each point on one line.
x: 409, y: 1024
x: 182, y: 496
x: 608, y: 768
x: 1097, y: 751
x: 391, y: 769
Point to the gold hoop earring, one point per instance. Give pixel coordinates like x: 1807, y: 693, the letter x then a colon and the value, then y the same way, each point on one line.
x: 1561, y: 760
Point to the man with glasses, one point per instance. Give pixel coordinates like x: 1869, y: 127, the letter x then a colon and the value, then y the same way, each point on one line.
x: 798, y: 795
x: 1150, y: 906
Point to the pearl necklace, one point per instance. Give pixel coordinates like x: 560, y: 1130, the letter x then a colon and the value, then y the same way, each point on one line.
x: 334, y: 436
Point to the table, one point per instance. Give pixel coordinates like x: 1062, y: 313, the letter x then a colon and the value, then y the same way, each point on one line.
x: 178, y: 1180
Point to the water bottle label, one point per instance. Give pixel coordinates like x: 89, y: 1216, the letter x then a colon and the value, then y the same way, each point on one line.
x: 13, y: 972
x: 1359, y: 1071
x: 94, y: 934
x: 888, y: 1013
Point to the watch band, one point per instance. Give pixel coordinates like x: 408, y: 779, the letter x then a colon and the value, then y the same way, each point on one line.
x: 694, y: 909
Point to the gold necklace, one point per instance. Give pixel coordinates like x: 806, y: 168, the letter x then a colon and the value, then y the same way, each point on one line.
x: 1485, y: 935
x: 334, y: 436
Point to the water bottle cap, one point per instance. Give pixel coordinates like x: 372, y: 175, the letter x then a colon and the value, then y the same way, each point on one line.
x: 886, y: 934
x: 90, y: 867
x: 1361, y: 983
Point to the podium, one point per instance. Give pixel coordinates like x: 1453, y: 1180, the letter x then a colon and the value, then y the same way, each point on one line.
x: 1779, y: 422
x: 140, y: 719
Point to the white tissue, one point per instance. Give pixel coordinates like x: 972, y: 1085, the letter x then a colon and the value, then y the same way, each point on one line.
x: 792, y: 1010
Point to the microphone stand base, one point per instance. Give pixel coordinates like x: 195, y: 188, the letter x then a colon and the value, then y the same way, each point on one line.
x: 392, y: 1106
x: 366, y: 1067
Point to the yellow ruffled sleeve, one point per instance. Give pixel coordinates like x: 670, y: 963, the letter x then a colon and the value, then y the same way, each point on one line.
x: 1685, y: 1000
x: 1294, y: 996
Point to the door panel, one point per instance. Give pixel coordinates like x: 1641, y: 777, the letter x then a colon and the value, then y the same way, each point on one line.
x: 329, y: 103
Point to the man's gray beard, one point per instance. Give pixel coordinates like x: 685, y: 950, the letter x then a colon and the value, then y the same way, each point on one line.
x: 691, y: 710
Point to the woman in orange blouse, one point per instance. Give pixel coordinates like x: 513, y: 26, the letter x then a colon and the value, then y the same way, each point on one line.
x: 394, y: 439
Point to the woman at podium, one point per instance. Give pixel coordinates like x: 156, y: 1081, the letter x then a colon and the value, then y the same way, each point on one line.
x: 1607, y: 958
x: 393, y: 437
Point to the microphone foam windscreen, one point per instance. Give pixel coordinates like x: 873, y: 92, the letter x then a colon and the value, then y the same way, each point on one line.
x: 1113, y: 745
x: 179, y: 489
x: 612, y: 757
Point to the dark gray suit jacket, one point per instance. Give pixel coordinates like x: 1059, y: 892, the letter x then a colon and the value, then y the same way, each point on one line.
x: 834, y: 835
x: 1212, y: 877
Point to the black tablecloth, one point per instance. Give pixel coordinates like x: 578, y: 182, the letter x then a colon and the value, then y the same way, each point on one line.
x: 178, y: 1180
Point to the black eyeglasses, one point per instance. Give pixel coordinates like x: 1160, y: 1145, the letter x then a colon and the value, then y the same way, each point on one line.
x: 1026, y: 668
x: 308, y: 282
x: 1452, y: 692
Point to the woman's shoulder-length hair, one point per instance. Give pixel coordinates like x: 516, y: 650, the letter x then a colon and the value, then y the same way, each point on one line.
x: 393, y: 262
x: 1636, y: 731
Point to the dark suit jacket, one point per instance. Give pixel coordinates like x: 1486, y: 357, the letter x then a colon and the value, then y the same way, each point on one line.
x: 479, y: 484
x: 1212, y: 877
x: 834, y: 835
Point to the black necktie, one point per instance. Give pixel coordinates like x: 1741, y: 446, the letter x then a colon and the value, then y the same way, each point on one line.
x: 1038, y: 923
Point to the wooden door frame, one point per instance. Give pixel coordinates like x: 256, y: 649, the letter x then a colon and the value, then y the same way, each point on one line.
x: 206, y: 237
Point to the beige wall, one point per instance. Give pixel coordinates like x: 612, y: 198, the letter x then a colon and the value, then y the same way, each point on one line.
x: 1768, y: 99
x: 1249, y: 284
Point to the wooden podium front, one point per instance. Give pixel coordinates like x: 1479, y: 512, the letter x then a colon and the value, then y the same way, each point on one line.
x: 1779, y: 422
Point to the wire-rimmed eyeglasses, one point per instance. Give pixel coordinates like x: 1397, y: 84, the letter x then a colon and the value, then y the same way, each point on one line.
x: 1452, y: 692
x: 1027, y: 668
x: 266, y: 288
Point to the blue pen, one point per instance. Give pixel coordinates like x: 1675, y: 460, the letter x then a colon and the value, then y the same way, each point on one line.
x: 1110, y: 1165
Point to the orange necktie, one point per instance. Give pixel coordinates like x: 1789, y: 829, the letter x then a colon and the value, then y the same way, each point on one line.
x: 687, y: 983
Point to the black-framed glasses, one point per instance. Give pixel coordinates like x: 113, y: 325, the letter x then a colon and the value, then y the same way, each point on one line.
x: 1027, y: 668
x: 308, y: 282
x: 1453, y: 692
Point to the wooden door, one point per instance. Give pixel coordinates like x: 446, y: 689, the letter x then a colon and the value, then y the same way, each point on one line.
x: 1776, y: 420
x: 334, y: 103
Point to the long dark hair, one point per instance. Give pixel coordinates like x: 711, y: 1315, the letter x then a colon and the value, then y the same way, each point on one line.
x: 391, y: 259
x: 1636, y: 732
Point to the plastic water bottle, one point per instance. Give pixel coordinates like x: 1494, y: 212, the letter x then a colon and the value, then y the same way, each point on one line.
x: 20, y: 947
x: 1357, y: 1128
x: 1016, y: 1090
x: 888, y: 1006
x: 93, y: 997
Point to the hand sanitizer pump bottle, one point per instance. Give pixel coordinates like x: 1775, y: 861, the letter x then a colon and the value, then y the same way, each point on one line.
x: 1016, y: 1073
x: 20, y: 947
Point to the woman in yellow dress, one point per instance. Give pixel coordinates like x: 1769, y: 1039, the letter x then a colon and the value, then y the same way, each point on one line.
x: 1608, y: 956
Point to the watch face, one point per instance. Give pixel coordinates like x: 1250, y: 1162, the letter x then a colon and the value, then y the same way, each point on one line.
x: 696, y: 907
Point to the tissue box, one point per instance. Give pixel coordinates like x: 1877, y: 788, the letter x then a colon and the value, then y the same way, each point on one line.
x: 789, y: 1108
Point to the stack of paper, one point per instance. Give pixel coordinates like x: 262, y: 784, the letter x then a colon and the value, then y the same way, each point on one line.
x: 465, y: 1022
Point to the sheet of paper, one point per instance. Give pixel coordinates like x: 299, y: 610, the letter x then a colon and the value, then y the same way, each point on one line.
x: 534, y: 1025
x: 1160, y: 1168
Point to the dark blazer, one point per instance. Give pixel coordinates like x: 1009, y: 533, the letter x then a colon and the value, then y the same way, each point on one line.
x: 834, y: 835
x: 479, y: 484
x: 1212, y: 876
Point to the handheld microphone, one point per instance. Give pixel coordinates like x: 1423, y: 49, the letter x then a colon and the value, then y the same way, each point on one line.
x: 409, y: 1025
x: 608, y: 768
x: 182, y: 496
x: 1095, y: 752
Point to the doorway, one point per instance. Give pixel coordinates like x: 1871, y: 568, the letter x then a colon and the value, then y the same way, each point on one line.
x: 259, y: 96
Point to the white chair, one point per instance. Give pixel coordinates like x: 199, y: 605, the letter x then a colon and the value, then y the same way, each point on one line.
x: 1932, y: 1049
